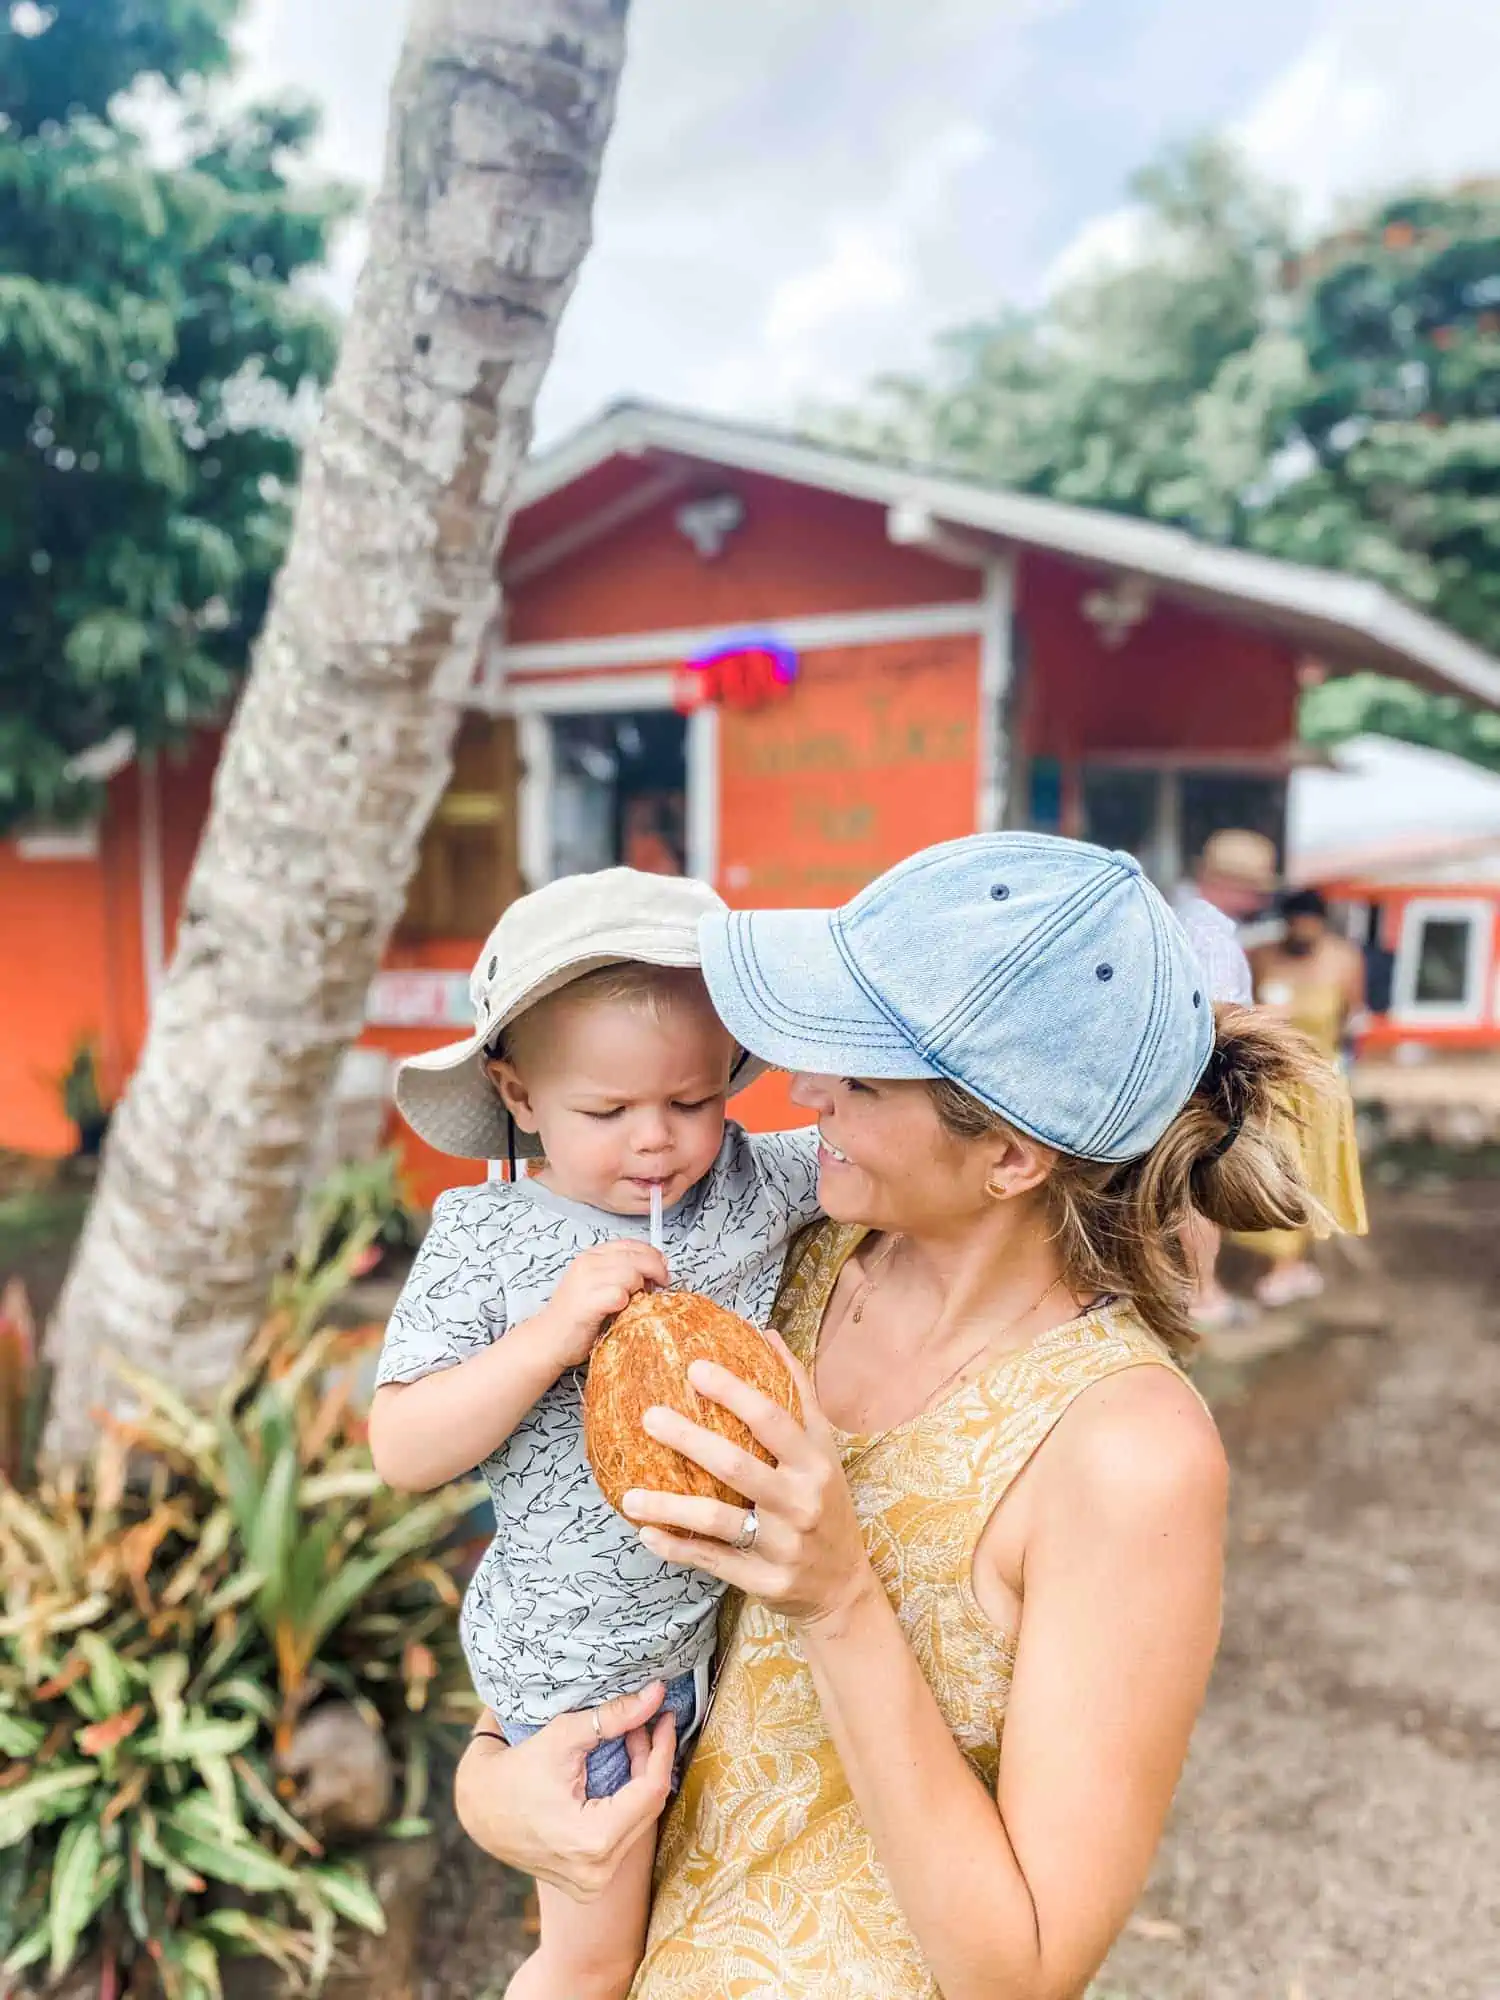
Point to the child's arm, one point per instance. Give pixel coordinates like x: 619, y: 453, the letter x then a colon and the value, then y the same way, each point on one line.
x: 424, y: 1433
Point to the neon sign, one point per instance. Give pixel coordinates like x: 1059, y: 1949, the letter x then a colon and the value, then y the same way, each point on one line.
x: 747, y: 670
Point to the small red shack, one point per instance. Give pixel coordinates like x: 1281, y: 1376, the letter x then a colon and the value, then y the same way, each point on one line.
x: 778, y: 666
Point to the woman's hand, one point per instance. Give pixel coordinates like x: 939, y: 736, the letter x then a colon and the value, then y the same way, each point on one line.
x: 808, y: 1557
x: 526, y: 1804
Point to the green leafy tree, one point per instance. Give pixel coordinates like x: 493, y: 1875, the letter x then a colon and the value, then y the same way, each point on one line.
x: 1094, y: 398
x: 1399, y: 412
x: 154, y: 342
x: 1337, y: 406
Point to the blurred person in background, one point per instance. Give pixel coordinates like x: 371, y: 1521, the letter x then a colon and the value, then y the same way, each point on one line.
x: 1314, y: 979
x: 1233, y: 882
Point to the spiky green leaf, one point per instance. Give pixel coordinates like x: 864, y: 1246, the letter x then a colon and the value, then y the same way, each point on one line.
x: 41, y: 1798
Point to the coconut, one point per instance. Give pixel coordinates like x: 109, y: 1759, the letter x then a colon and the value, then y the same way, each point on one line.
x: 642, y: 1362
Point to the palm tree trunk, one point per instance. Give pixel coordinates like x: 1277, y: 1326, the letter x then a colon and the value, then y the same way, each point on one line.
x: 342, y: 742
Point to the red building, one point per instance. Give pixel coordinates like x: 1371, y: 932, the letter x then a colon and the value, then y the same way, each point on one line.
x: 778, y: 666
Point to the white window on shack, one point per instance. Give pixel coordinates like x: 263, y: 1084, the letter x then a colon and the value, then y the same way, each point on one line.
x: 1442, y: 964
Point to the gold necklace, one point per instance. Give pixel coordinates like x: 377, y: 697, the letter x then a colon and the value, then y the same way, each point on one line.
x: 872, y: 1278
x: 990, y: 1340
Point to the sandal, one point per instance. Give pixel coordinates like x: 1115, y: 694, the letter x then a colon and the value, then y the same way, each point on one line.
x: 1228, y: 1315
x: 1289, y: 1285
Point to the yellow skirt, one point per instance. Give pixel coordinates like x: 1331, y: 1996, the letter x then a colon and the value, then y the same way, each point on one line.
x: 1320, y: 1132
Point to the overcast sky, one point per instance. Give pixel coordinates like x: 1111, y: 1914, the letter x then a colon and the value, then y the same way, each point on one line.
x: 799, y: 193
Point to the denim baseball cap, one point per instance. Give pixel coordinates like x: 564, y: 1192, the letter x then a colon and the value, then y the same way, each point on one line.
x: 1046, y: 977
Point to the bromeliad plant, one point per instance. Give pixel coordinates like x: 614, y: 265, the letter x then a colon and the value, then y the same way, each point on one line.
x: 173, y: 1612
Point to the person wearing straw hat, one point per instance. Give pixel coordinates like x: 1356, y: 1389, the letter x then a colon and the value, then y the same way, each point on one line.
x: 1235, y: 878
x: 596, y: 1057
x: 1314, y: 981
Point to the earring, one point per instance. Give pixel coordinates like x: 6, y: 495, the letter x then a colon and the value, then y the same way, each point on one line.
x: 995, y: 1193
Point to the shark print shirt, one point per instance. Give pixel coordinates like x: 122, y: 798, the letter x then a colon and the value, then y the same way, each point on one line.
x: 567, y: 1609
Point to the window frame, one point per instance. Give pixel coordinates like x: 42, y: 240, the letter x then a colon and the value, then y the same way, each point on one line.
x: 535, y: 703
x: 1477, y: 916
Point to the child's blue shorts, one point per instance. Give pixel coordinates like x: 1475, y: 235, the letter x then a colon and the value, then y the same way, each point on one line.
x: 609, y: 1765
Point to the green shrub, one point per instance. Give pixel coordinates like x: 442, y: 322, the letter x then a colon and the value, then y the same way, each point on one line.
x: 171, y: 1611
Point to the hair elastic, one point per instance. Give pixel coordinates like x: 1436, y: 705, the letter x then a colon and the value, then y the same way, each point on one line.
x: 1217, y: 1152
x: 1219, y: 1078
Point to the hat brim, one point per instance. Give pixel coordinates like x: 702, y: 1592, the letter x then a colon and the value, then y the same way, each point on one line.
x: 447, y: 1099
x: 784, y: 989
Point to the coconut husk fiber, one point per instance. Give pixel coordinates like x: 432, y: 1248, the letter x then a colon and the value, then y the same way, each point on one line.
x: 643, y: 1361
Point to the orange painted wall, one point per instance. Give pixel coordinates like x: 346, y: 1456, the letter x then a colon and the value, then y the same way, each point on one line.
x: 76, y: 968
x: 1183, y: 679
x: 53, y: 988
x: 427, y: 1172
x: 871, y: 757
x: 798, y: 553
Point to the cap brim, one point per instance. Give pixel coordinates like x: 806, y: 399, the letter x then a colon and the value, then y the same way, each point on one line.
x: 785, y: 991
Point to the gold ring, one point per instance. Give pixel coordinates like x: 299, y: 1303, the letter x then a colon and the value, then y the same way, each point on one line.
x: 598, y: 1726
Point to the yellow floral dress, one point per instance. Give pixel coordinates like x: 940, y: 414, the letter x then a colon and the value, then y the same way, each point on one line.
x: 768, y: 1884
x: 1322, y: 1130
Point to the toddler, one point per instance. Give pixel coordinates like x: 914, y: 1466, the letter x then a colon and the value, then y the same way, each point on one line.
x: 597, y: 1055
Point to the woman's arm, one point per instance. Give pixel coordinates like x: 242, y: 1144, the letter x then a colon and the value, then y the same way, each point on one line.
x: 1121, y: 1570
x: 528, y: 1806
x: 1353, y: 970
x: 1120, y: 1625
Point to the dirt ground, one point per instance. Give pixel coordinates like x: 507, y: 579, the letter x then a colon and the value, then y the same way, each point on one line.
x: 1337, y: 1834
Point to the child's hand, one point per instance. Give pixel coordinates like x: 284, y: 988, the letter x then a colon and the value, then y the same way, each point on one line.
x: 596, y: 1285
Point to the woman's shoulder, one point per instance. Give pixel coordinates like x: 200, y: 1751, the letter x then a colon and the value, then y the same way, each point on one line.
x: 1130, y: 1409
x: 1139, y: 1438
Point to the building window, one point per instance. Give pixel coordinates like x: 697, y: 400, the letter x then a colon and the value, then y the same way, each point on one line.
x: 469, y: 867
x: 1120, y: 811
x: 618, y: 793
x: 1442, y: 962
x: 1164, y: 817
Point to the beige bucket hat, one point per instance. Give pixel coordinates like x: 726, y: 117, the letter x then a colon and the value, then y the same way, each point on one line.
x: 543, y: 942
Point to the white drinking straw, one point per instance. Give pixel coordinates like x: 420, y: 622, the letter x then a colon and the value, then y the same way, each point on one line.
x: 657, y: 1242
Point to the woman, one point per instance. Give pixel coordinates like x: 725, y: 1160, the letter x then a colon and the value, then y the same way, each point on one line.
x: 1004, y: 1505
x: 1315, y: 980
